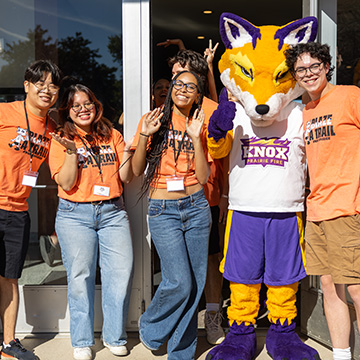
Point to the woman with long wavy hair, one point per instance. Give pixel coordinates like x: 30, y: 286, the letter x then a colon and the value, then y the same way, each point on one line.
x: 171, y: 146
x: 89, y: 160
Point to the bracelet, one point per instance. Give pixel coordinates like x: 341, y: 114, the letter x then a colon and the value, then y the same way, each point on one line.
x: 71, y: 152
x: 144, y: 135
x: 224, y: 196
x: 130, y: 151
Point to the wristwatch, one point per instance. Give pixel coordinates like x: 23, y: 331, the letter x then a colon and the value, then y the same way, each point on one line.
x: 71, y: 152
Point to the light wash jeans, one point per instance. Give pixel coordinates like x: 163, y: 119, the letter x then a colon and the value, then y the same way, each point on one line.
x: 84, y: 230
x: 180, y: 231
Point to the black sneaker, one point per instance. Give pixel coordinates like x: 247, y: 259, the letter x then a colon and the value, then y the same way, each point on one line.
x: 17, y: 351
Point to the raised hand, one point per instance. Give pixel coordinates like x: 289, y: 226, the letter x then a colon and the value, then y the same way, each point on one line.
x: 168, y: 42
x: 209, y: 52
x: 194, y: 128
x: 221, y: 121
x: 152, y: 123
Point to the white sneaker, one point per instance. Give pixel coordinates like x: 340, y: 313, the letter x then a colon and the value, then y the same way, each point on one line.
x: 117, y: 350
x: 214, y: 332
x: 82, y: 353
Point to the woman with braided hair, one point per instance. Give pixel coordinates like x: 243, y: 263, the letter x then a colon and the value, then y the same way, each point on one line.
x: 171, y: 146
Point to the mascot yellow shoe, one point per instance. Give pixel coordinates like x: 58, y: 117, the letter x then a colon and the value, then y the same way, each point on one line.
x: 262, y: 132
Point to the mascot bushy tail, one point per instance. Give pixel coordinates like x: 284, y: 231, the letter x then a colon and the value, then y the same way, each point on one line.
x: 253, y: 69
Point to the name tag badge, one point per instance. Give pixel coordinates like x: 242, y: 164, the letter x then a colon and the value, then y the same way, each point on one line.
x: 102, y: 190
x: 30, y: 178
x: 175, y: 183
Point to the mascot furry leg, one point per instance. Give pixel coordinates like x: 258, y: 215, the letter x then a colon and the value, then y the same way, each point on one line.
x: 263, y: 135
x: 282, y: 343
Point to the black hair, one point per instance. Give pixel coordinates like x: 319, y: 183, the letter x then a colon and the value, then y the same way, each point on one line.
x: 159, y: 140
x: 316, y: 51
x: 38, y: 68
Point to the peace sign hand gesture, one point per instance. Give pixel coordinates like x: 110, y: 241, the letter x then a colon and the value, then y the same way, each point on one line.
x: 209, y: 53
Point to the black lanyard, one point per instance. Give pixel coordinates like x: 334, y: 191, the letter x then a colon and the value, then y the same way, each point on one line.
x: 28, y: 130
x: 97, y: 158
x: 176, y: 156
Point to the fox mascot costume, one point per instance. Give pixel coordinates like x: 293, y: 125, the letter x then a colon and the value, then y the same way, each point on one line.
x: 263, y: 135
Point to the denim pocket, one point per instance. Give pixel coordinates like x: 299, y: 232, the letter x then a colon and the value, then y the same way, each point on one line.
x: 201, y: 202
x: 66, y: 206
x: 155, y: 209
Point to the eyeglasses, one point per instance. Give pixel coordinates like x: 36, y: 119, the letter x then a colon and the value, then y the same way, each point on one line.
x: 88, y: 106
x: 190, y: 87
x: 42, y: 87
x: 314, y: 69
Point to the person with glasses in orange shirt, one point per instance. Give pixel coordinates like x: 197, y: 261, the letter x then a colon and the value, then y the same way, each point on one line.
x: 89, y: 160
x: 171, y: 145
x: 332, y: 236
x: 24, y: 145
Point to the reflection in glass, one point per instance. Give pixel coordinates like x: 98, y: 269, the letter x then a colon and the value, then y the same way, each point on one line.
x: 88, y: 49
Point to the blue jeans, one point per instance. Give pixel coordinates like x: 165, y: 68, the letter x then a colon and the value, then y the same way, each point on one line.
x: 84, y: 230
x: 180, y: 232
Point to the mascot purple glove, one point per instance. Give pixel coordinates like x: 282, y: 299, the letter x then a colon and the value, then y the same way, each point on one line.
x: 221, y: 120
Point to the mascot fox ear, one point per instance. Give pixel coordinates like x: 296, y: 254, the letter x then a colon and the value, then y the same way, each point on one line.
x: 297, y: 32
x: 236, y: 31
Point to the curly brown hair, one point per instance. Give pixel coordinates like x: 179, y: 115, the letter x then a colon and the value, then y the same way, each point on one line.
x: 316, y: 51
x: 193, y: 59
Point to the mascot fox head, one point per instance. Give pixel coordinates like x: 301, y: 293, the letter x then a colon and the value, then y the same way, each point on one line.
x: 253, y: 66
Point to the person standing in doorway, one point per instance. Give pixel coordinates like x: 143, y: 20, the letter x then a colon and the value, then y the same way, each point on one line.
x: 171, y: 143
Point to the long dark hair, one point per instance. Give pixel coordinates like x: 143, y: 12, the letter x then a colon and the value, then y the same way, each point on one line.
x: 159, y: 140
x: 101, y: 128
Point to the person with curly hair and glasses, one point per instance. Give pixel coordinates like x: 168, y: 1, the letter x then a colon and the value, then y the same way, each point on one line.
x: 331, y: 121
x: 89, y: 160
x: 171, y: 146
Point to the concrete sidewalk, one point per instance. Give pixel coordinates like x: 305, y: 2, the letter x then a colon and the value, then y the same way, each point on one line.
x: 50, y: 347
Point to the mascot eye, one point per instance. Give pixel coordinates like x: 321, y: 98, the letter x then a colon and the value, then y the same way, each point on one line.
x: 280, y: 75
x: 245, y: 72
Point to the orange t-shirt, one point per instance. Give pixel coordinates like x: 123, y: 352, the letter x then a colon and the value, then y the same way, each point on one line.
x: 185, y: 162
x: 209, y: 106
x: 111, y: 154
x: 332, y: 136
x: 14, y: 152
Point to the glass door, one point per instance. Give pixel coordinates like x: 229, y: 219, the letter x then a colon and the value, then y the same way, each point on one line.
x: 84, y: 37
